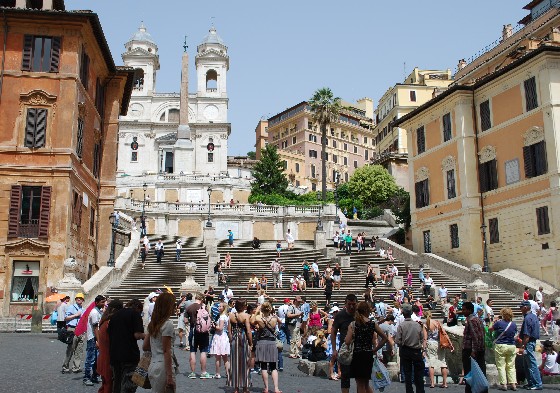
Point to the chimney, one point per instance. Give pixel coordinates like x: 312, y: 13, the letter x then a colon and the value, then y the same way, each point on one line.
x: 507, y: 32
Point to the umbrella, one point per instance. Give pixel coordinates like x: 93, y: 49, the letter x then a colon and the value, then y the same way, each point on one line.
x: 55, y: 297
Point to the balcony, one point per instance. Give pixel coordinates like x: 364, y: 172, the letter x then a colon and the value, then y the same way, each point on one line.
x: 28, y: 228
x: 212, y: 90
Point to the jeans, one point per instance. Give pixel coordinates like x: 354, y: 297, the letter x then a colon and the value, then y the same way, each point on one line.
x: 282, y: 337
x: 348, y: 248
x: 478, y: 357
x: 276, y: 279
x: 122, y: 374
x: 90, y: 366
x: 505, y: 362
x: 284, y: 329
x: 178, y: 255
x: 530, y: 365
x: 74, y: 353
x: 411, y: 361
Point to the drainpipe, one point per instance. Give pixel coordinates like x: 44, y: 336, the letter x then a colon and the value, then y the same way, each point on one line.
x: 486, y: 267
x: 3, y: 52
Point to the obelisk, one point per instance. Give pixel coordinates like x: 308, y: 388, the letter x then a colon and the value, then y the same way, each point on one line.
x: 183, y: 149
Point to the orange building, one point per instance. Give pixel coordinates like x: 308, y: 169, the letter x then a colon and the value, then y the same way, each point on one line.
x: 60, y: 98
x: 484, y: 156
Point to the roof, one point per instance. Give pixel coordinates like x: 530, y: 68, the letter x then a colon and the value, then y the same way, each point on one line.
x: 171, y: 137
x: 142, y: 35
x: 532, y: 4
x: 483, y: 81
x: 127, y: 88
x: 213, y: 37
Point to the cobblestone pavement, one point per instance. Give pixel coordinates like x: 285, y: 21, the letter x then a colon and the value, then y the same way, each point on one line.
x: 31, y: 363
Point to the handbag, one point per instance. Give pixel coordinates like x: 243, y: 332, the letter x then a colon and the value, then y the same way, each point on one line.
x: 65, y: 336
x: 140, y: 374
x: 346, y: 352
x: 444, y: 340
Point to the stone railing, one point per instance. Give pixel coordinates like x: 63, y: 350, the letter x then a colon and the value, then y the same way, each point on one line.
x: 174, y: 178
x: 457, y: 270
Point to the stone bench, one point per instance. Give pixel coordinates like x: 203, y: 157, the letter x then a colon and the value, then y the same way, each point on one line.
x: 314, y: 369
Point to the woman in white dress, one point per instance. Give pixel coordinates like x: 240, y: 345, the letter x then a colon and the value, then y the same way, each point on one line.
x: 220, y: 342
x: 161, y: 335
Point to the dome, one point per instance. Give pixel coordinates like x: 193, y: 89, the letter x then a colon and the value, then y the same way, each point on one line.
x: 142, y: 35
x: 213, y: 37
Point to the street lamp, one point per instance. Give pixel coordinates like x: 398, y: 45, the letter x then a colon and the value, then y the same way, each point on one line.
x: 111, y: 261
x: 336, y: 181
x: 485, y: 268
x: 319, y: 222
x: 143, y: 218
x: 209, y: 223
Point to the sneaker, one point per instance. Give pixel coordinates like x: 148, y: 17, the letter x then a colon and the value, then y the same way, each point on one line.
x: 217, y: 376
x: 96, y: 380
x: 88, y: 382
x: 181, y: 345
x: 192, y: 376
x: 65, y: 370
x: 76, y: 370
x: 281, y: 369
x: 535, y: 388
x: 205, y: 376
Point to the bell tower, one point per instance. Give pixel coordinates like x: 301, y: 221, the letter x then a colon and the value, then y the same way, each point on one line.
x: 142, y: 54
x: 212, y: 64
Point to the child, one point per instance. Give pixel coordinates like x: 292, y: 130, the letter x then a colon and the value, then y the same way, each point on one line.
x: 278, y: 248
x: 294, y: 283
x: 549, y: 355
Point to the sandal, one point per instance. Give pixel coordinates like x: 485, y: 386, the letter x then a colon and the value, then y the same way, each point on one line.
x: 334, y: 377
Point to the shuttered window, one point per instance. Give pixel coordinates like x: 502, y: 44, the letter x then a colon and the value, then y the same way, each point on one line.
x: 41, y: 54
x: 454, y: 233
x: 446, y: 127
x: 421, y: 140
x: 92, y: 222
x: 80, y: 139
x: 422, y: 193
x: 100, y: 97
x: 36, y: 127
x: 84, y: 68
x: 29, y: 213
x: 531, y: 100
x: 77, y: 209
x: 494, y: 231
x: 96, y: 159
x: 427, y: 242
x: 451, y: 192
x: 543, y: 226
x: 534, y: 157
x: 488, y: 174
x: 485, y: 121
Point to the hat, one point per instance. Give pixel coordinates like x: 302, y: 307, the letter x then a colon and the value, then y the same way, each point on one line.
x: 525, y: 303
x: 334, y: 309
x: 152, y: 295
x: 79, y: 295
x: 286, y: 300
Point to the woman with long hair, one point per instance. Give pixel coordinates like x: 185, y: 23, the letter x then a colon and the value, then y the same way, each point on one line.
x: 103, y: 360
x: 362, y: 332
x: 159, y: 339
x: 220, y: 342
x: 266, y: 353
x: 239, y: 333
x: 435, y: 354
x: 504, y: 348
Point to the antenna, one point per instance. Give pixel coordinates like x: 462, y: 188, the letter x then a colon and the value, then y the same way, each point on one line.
x: 404, y: 71
x: 212, y: 20
x: 185, y: 46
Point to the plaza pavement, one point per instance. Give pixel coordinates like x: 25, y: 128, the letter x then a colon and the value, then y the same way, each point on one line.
x: 31, y: 363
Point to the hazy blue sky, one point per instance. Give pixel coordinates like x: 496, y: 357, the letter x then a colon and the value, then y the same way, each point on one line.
x: 282, y: 51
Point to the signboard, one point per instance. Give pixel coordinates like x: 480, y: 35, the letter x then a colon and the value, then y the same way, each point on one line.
x: 194, y: 196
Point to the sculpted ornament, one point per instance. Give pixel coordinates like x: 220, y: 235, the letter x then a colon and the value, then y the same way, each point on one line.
x: 150, y: 135
x: 422, y: 174
x: 448, y: 163
x: 223, y: 136
x: 532, y: 136
x: 37, y: 98
x: 488, y: 153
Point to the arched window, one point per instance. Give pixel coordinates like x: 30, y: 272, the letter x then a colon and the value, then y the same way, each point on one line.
x: 211, y: 81
x: 162, y: 117
x: 173, y: 116
x: 138, y: 79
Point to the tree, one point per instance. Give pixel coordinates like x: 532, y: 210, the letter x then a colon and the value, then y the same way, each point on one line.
x: 326, y: 109
x: 372, y: 185
x: 252, y: 155
x: 399, y: 203
x: 269, y: 173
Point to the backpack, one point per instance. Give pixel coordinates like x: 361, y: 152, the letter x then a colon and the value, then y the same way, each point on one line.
x: 54, y: 317
x: 203, y: 322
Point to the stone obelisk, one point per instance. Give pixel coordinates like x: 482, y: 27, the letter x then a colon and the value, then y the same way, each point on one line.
x: 183, y: 149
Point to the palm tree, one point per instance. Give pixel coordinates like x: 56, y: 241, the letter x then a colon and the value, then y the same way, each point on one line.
x: 326, y: 109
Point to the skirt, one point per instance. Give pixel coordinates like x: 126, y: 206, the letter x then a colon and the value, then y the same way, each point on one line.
x: 362, y: 364
x: 220, y: 344
x: 266, y: 351
x: 436, y: 356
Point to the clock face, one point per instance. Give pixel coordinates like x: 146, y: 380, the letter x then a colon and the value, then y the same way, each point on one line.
x: 136, y: 110
x: 211, y: 112
x: 512, y: 171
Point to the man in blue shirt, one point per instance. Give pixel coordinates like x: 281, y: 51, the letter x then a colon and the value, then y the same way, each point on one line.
x: 230, y: 237
x: 530, y: 333
x: 75, y: 349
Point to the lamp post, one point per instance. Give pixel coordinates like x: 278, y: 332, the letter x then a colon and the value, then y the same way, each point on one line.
x: 143, y: 219
x: 336, y: 181
x: 485, y: 268
x: 319, y: 222
x: 209, y: 223
x: 111, y: 261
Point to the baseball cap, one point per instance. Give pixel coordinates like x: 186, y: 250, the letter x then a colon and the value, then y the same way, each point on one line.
x: 334, y: 309
x: 525, y: 303
x: 152, y: 295
x: 286, y: 300
x: 79, y: 295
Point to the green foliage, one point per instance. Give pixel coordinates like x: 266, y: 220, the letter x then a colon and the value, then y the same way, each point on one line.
x: 289, y: 199
x: 252, y: 155
x: 399, y: 203
x: 372, y: 185
x: 370, y: 213
x: 269, y: 174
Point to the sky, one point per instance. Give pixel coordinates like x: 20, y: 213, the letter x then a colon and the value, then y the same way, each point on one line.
x: 282, y: 51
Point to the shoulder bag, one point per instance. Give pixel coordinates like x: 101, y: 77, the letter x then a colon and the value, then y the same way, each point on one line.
x: 444, y: 340
x: 346, y: 352
x: 502, y: 333
x: 140, y: 374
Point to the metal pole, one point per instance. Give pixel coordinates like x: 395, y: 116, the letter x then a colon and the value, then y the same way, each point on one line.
x: 319, y: 222
x: 111, y: 261
x: 143, y: 220
x: 209, y: 223
x: 485, y: 250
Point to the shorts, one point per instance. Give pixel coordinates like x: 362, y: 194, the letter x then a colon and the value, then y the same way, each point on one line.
x: 336, y: 278
x: 199, y: 341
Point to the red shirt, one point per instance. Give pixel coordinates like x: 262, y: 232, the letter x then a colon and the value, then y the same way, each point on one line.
x: 525, y: 295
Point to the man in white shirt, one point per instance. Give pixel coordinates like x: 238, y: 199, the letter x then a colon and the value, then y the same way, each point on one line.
x: 282, y: 312
x: 394, y: 271
x: 442, y: 294
x: 539, y: 295
x: 178, y: 248
x: 227, y: 293
x: 428, y: 284
x: 488, y: 312
x: 315, y: 272
x: 290, y: 240
x: 90, y: 371
x: 534, y: 305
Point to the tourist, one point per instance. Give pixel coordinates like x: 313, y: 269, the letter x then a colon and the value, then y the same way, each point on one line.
x: 382, y: 253
x: 411, y: 339
x: 435, y: 354
x: 430, y: 303
x: 180, y: 310
x: 473, y: 341
x: 90, y: 369
x: 488, y: 312
x: 75, y: 348
x: 408, y: 278
x: 543, y: 316
x: 390, y: 253
x: 278, y: 248
x: 227, y: 260
x: 253, y: 282
x: 529, y: 334
x: 428, y: 283
x: 316, y: 316
x: 152, y: 297
x: 386, y: 276
x: 61, y: 312
x: 539, y: 295
x: 368, y: 296
x: 302, y: 284
x: 159, y: 341
x: 315, y: 274
x: 227, y: 293
x: 336, y: 238
x: 362, y: 333
x: 340, y: 326
x: 326, y: 273
x: 178, y: 248
x: 318, y: 347
x: 442, y: 292
x: 220, y: 342
x: 143, y: 254
x: 370, y: 275
x: 452, y: 317
x: 505, y: 331
x: 264, y: 297
x: 294, y: 283
x: 293, y: 320
x: 276, y: 269
x: 359, y: 239
x: 421, y: 274
x: 305, y: 309
x: 337, y: 276
x: 306, y: 269
x: 159, y: 248
x: 329, y: 286
x: 104, y: 360
x: 263, y: 282
x: 283, y: 325
x: 125, y: 329
x: 552, y: 316
x: 256, y: 243
x: 387, y: 351
x: 526, y: 293
x: 348, y: 242
x: 199, y: 336
x: 266, y: 353
x: 230, y: 239
x: 290, y: 240
x: 549, y: 365
x: 209, y: 295
x: 239, y: 333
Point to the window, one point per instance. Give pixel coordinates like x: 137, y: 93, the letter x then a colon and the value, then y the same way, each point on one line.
x: 92, y: 222
x: 173, y: 115
x: 326, y: 156
x: 134, y: 156
x: 40, y: 54
x: 366, y: 155
x: 77, y: 209
x: 312, y: 138
x: 534, y: 157
x: 345, y: 160
x: 334, y: 176
x: 485, y: 121
x: 297, y: 167
x: 96, y: 159
x: 355, y: 164
x: 365, y: 139
x: 488, y: 174
x: 294, y: 140
x: 313, y: 153
x: 451, y: 192
x: 36, y: 127
x: 297, y: 183
x: 422, y: 193
x: 494, y: 232
x: 25, y: 281
x: 346, y: 147
x: 421, y: 140
x: 80, y: 138
x: 454, y: 233
x: 29, y: 211
x: 335, y: 158
x: 543, y: 225
x: 334, y: 144
x: 412, y: 96
x: 355, y: 149
x: 427, y: 242
x: 210, y: 157
x: 446, y: 127
x: 313, y: 187
x: 346, y: 177
x: 313, y: 174
x: 531, y: 100
x: 84, y: 68
x: 100, y: 97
